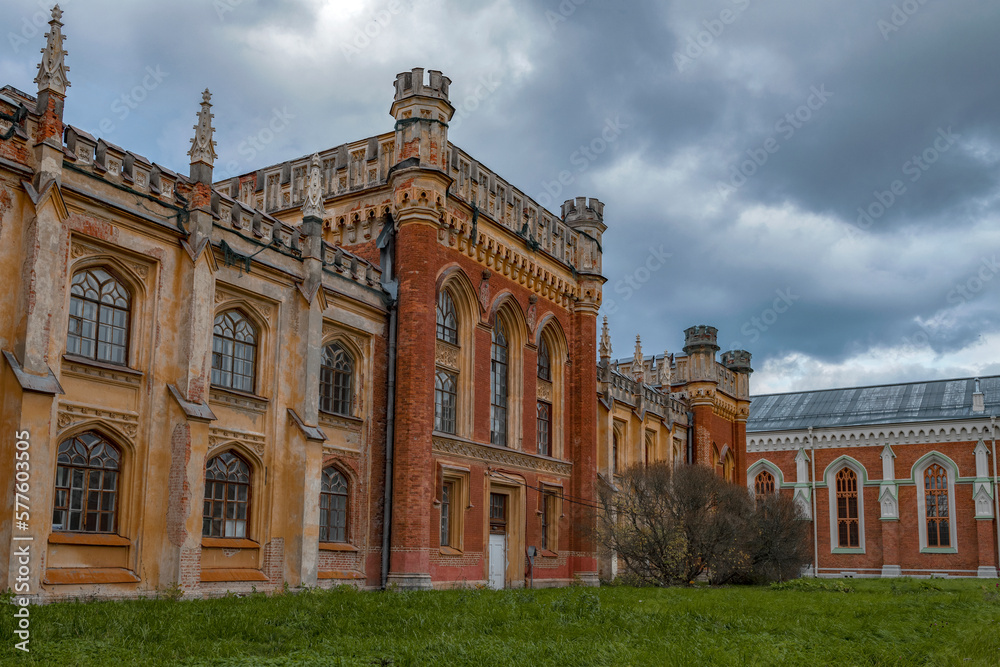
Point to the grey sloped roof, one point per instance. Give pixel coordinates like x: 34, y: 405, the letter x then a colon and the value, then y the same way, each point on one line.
x: 883, y: 404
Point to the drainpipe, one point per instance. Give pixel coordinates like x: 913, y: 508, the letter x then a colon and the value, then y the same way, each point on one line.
x: 812, y: 462
x: 690, y: 438
x: 390, y: 422
x: 387, y: 243
x: 996, y: 486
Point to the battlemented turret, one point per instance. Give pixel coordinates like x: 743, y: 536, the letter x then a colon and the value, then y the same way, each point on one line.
x: 587, y: 216
x: 422, y: 111
x: 738, y: 361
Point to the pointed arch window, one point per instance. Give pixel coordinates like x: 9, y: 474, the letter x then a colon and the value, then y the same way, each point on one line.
x: 447, y: 318
x: 544, y: 361
x: 729, y: 466
x: 936, y: 506
x: 763, y: 484
x: 543, y: 428
x: 498, y: 382
x: 86, y: 489
x: 227, y: 496
x: 333, y: 506
x: 848, y: 528
x: 336, y: 381
x: 234, y: 352
x: 99, y: 308
x: 614, y: 452
x: 445, y: 401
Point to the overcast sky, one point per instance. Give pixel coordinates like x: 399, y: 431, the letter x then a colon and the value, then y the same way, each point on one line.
x: 819, y: 180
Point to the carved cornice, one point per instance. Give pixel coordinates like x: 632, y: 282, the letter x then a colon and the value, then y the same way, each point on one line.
x: 545, y: 278
x: 917, y: 433
x: 507, y: 457
x: 217, y: 437
x: 74, y: 413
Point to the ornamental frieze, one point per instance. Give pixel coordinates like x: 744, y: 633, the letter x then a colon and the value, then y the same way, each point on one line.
x: 446, y: 355
x: 221, y: 436
x: 74, y: 413
x: 506, y: 457
x: 545, y: 390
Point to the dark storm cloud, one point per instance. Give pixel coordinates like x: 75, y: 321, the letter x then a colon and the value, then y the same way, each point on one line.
x: 818, y: 105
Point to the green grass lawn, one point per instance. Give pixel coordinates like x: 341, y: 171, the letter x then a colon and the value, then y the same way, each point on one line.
x: 871, y: 622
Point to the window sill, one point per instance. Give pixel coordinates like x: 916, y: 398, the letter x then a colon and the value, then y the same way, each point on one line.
x: 240, y: 399
x: 337, y: 415
x: 336, y: 546
x: 338, y: 574
x: 228, y: 543
x: 545, y: 553
x: 845, y: 550
x: 90, y: 539
x: 938, y: 550
x: 89, y: 575
x: 105, y: 365
x: 231, y: 574
x: 451, y: 551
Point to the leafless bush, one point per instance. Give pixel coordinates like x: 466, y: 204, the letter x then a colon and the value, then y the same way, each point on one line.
x: 671, y: 525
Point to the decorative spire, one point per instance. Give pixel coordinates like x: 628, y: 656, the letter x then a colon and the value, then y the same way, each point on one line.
x: 605, y: 347
x: 666, y: 378
x: 52, y: 70
x: 313, y: 206
x: 202, y: 145
x: 638, y: 363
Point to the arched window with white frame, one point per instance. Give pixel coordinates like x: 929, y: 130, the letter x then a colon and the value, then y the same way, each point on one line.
x: 99, y: 312
x: 845, y: 482
x: 935, y: 476
x: 234, y: 352
x: 336, y: 380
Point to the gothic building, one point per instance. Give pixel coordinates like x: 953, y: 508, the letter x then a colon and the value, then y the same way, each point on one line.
x: 685, y: 408
x: 374, y: 364
x: 896, y: 479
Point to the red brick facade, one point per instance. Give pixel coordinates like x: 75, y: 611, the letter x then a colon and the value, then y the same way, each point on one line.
x: 892, y: 463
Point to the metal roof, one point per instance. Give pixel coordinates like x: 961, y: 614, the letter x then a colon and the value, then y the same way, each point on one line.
x: 883, y: 404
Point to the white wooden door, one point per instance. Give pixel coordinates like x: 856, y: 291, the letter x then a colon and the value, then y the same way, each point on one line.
x: 498, y: 560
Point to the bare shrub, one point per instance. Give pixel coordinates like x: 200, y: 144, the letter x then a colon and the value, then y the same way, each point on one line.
x: 672, y: 525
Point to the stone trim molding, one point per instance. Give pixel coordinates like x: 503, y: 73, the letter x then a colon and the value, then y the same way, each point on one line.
x: 74, y: 413
x: 217, y: 437
x: 923, y: 433
x: 501, y: 455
